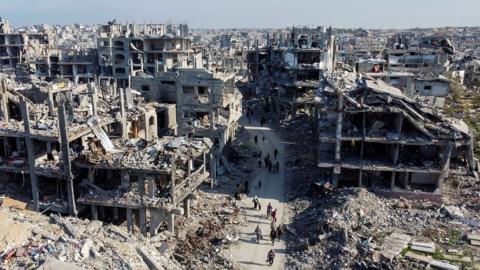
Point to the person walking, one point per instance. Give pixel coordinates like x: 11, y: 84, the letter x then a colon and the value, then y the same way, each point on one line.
x: 277, y: 166
x: 279, y: 232
x: 258, y: 233
x: 270, y: 256
x: 269, y: 209
x: 255, y: 139
x: 275, y: 153
x: 259, y: 206
x: 255, y: 203
x: 274, y: 215
x: 272, y: 225
x: 273, y: 236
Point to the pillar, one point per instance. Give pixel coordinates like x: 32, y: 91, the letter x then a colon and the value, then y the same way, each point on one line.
x: 130, y: 220
x: 30, y: 155
x: 142, y: 217
x: 392, y: 181
x: 171, y: 223
x: 94, y: 210
x: 93, y: 92
x: 49, y: 147
x: 172, y: 181
x: 66, y: 159
x: 186, y: 207
x: 360, y: 178
x: 213, y: 169
x: 115, y: 213
x: 124, y: 116
x: 51, y: 110
x: 4, y: 101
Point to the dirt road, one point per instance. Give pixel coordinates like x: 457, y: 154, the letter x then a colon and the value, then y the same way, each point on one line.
x: 249, y: 254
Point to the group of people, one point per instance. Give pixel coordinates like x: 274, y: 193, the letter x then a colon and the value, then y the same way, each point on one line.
x: 270, y: 165
x: 256, y: 204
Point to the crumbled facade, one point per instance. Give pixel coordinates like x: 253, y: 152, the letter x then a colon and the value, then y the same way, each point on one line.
x: 372, y: 135
x: 80, y: 150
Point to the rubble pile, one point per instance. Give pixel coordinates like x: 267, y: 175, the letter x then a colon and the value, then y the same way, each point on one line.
x: 301, y: 156
x: 353, y: 227
x: 30, y: 239
x: 204, y: 239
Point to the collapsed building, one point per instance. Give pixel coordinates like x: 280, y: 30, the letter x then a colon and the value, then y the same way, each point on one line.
x: 289, y: 68
x: 206, y: 104
x: 101, y: 157
x: 372, y: 135
x: 23, y: 47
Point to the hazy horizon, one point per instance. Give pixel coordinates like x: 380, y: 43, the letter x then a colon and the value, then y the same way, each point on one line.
x: 207, y: 14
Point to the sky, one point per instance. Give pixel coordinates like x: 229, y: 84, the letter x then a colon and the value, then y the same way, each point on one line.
x: 248, y: 13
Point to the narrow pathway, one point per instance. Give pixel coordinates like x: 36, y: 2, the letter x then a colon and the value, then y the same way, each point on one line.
x: 249, y: 254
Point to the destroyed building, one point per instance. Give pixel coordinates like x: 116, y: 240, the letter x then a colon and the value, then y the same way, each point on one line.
x: 23, y: 47
x: 289, y: 69
x: 206, y: 104
x: 79, y: 150
x: 79, y: 66
x: 125, y: 50
x: 372, y: 135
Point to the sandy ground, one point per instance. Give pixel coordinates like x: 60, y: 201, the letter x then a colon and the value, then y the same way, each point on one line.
x: 249, y: 254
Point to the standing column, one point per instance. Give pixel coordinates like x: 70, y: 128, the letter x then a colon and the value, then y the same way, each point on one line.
x: 124, y: 116
x: 4, y: 100
x: 67, y: 169
x: 30, y: 155
x: 130, y: 225
x: 93, y: 91
x: 186, y: 207
x: 51, y: 109
x: 142, y: 212
x: 171, y: 222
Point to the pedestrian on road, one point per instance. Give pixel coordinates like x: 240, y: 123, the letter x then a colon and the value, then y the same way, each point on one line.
x: 274, y: 215
x: 258, y: 233
x: 275, y: 153
x: 270, y: 256
x: 272, y: 226
x: 259, y: 206
x: 269, y: 166
x: 279, y: 231
x: 273, y: 235
x: 265, y: 159
x: 277, y: 166
x: 255, y: 138
x: 269, y: 209
x: 263, y: 138
x: 255, y: 202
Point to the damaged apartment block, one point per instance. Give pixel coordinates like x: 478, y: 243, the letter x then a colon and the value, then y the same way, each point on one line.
x: 287, y: 71
x: 99, y: 157
x: 372, y: 135
x: 207, y: 105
